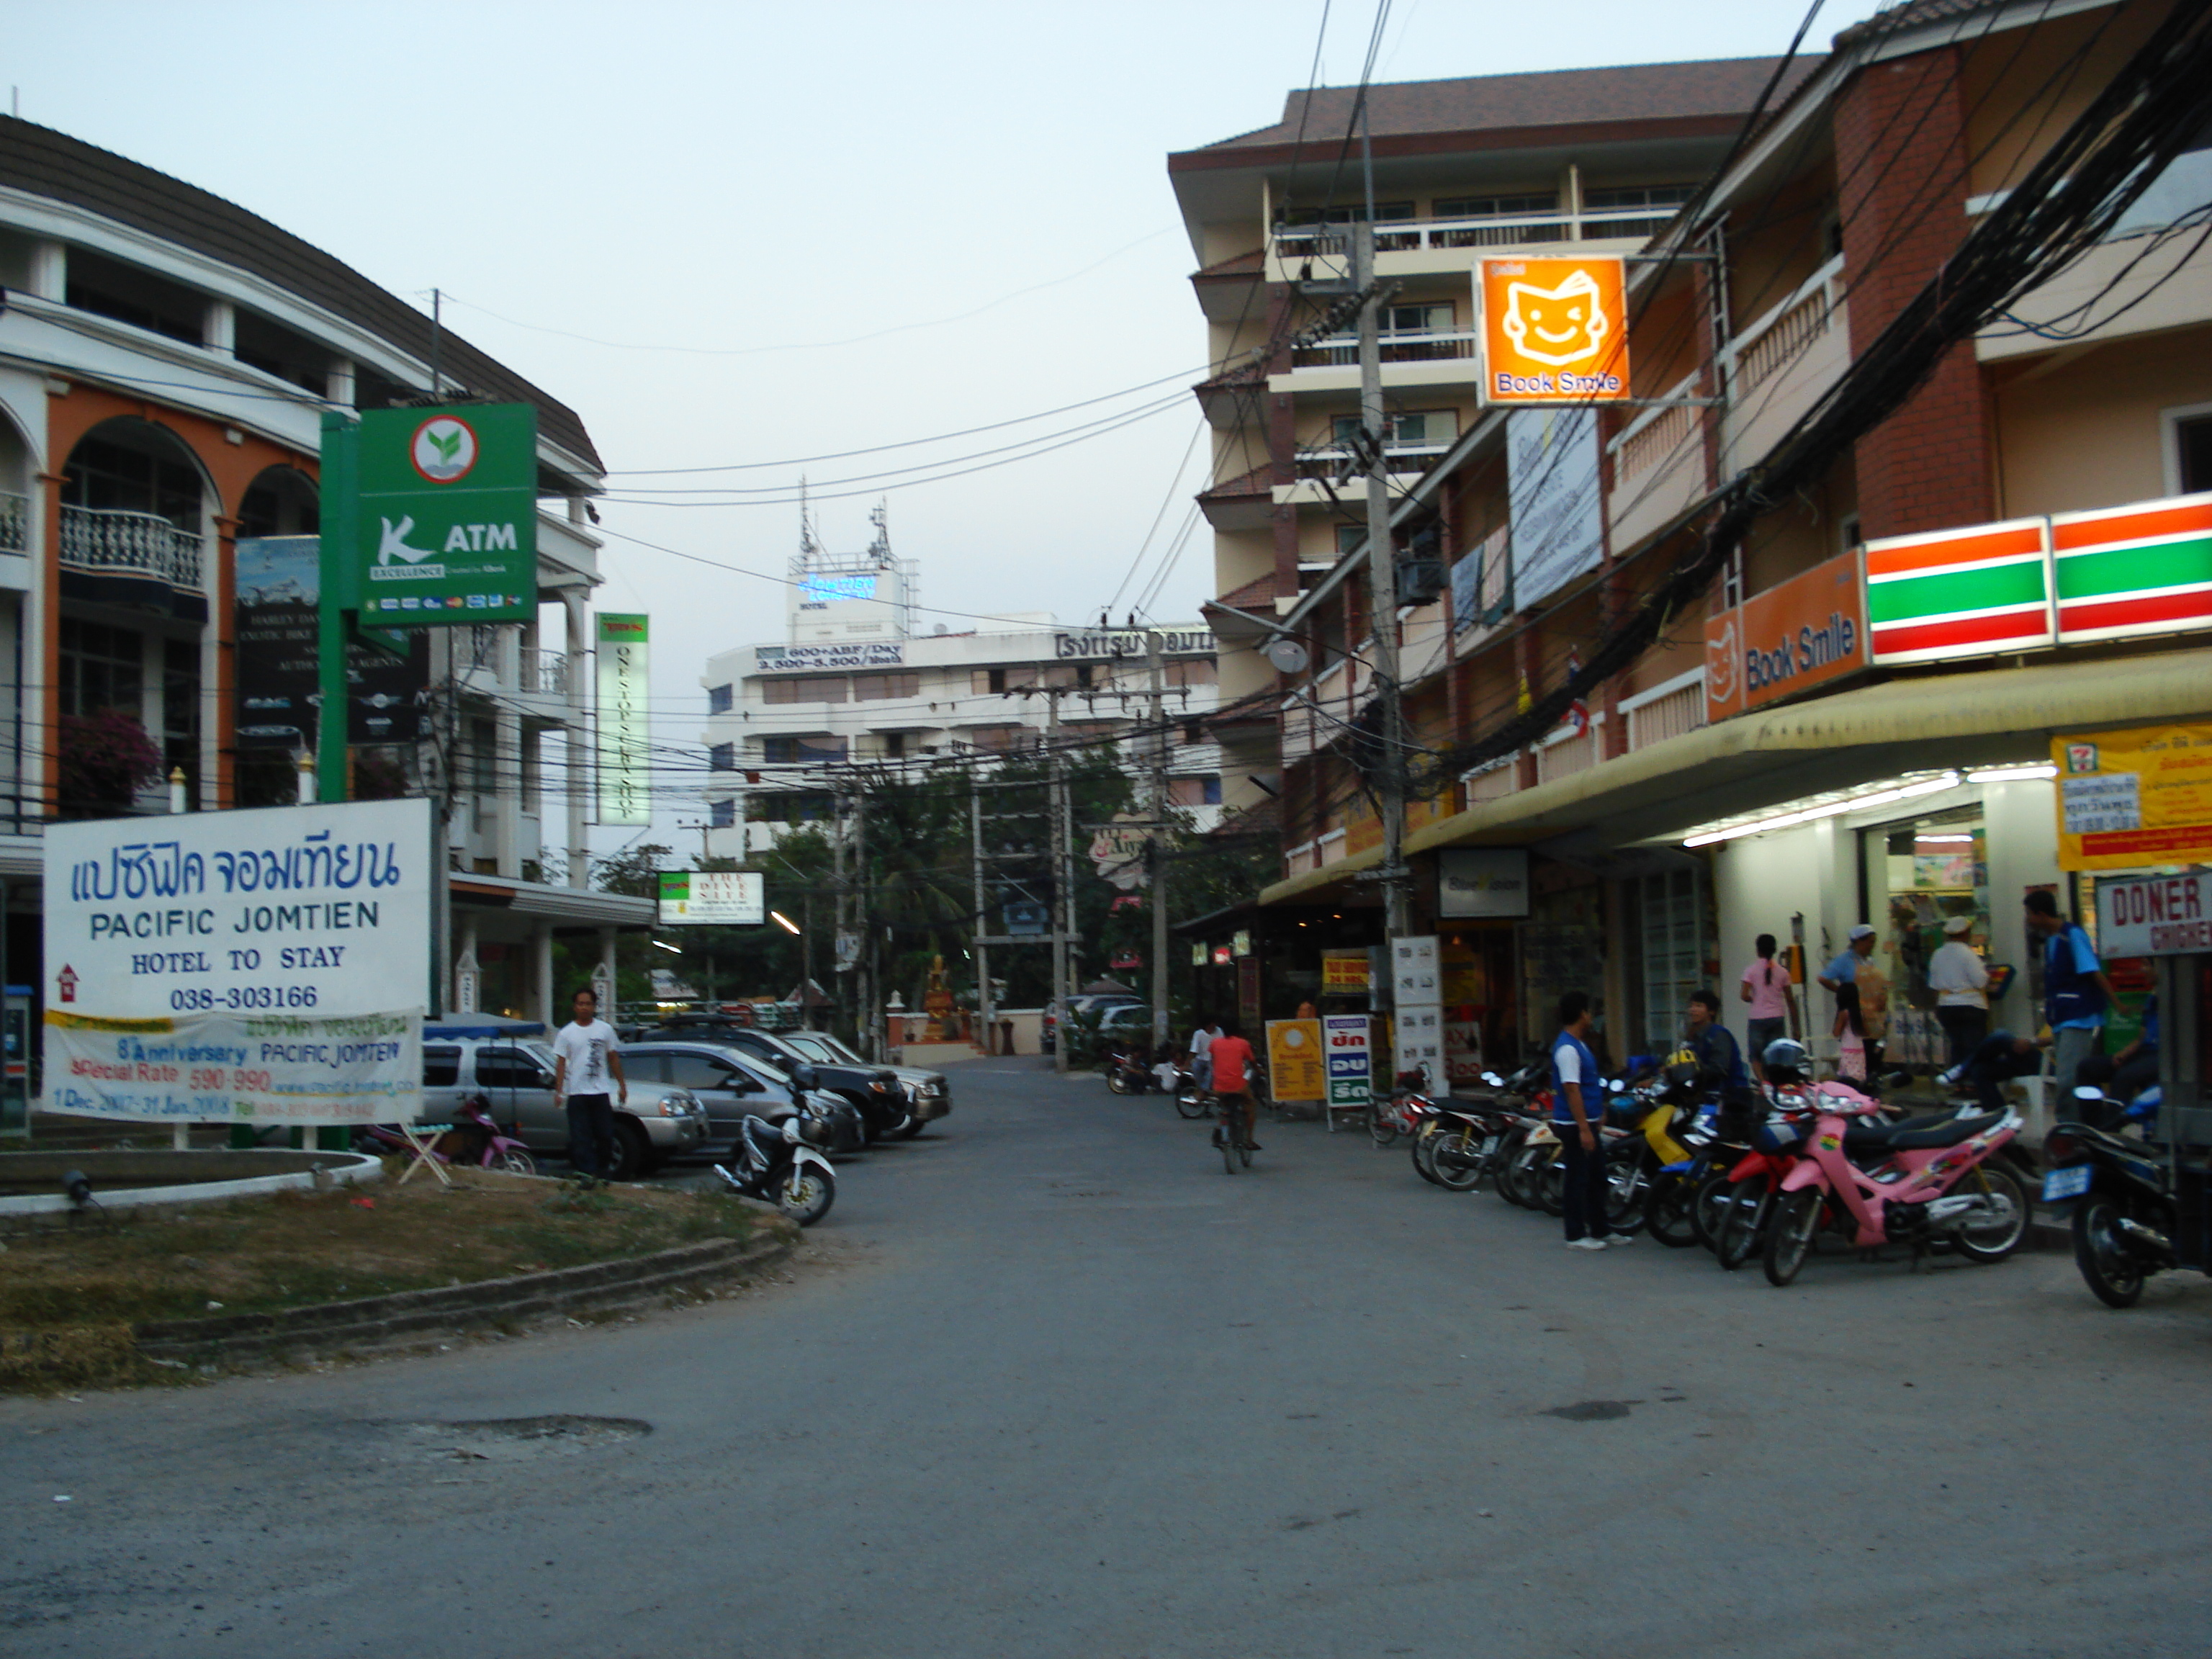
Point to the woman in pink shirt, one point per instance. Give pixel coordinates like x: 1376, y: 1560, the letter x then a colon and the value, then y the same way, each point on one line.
x: 1774, y: 1006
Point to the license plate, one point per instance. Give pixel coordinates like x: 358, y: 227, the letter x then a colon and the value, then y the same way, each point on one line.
x: 2067, y: 1184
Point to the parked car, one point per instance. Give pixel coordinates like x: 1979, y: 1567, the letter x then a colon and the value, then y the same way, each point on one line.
x: 873, y: 1089
x: 733, y: 1085
x: 1080, y: 1005
x: 928, y: 1094
x: 661, y: 1120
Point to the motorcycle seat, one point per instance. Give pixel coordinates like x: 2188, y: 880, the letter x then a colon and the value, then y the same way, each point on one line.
x: 1918, y: 1134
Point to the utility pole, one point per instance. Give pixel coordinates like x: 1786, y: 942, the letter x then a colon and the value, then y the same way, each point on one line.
x: 864, y: 959
x: 1063, y: 902
x: 840, y: 969
x: 1158, y: 836
x: 1382, y: 586
x: 985, y: 1008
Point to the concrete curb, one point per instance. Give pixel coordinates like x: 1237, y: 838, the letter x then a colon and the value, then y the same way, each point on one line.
x: 379, y: 1320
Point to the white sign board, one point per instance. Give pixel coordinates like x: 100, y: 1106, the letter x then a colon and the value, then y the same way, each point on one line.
x: 1417, y: 1043
x: 1349, y: 1050
x: 217, y: 1069
x: 1416, y: 978
x: 1482, y: 881
x: 2153, y: 915
x: 625, y: 746
x: 706, y: 898
x: 1551, y: 481
x: 286, y: 909
x: 200, y: 930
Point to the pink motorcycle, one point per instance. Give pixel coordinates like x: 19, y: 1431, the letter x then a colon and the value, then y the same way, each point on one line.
x: 1923, y: 1180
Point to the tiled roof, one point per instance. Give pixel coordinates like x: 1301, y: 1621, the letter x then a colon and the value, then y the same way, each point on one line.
x: 1907, y: 14
x: 39, y: 161
x: 1632, y: 92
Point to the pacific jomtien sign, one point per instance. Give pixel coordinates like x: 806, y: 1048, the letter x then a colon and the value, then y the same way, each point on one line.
x: 252, y: 966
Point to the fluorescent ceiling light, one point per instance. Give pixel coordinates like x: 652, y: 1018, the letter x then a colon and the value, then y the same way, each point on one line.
x: 673, y: 949
x: 1929, y: 841
x: 787, y: 924
x: 2010, y: 774
x: 1826, y: 810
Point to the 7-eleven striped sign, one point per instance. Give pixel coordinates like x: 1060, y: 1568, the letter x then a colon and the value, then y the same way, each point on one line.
x: 1960, y: 593
x: 2133, y: 570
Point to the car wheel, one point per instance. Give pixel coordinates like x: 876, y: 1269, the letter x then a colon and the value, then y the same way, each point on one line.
x: 633, y: 1152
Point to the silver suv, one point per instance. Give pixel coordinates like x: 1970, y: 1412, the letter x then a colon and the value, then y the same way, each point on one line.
x: 661, y: 1120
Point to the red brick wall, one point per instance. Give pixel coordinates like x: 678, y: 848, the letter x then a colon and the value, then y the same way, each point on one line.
x: 1901, y: 169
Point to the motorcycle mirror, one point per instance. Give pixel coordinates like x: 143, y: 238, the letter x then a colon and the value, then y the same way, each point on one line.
x: 1493, y: 1079
x: 2086, y: 1093
x: 1613, y: 1083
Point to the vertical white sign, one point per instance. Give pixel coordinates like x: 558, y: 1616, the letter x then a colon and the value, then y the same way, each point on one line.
x: 1418, y: 1028
x: 625, y: 789
x: 1552, y: 482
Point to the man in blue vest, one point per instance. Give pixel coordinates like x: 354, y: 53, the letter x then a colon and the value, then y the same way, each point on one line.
x: 1578, y: 1110
x: 2075, y: 993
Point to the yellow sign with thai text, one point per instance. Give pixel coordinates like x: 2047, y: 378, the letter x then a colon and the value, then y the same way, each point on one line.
x: 1295, y: 1071
x: 2128, y: 800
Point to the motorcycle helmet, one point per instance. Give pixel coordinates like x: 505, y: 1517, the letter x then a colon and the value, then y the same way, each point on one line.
x: 1786, y: 1061
x: 813, y: 1128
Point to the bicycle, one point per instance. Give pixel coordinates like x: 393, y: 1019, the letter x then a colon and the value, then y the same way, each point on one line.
x: 1231, y: 1135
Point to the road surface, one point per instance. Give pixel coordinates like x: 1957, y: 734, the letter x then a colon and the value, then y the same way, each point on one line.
x: 1051, y: 1384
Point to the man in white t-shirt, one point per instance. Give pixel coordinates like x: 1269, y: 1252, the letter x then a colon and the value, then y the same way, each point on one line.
x: 1201, y: 1061
x: 1960, y: 983
x: 586, y: 1055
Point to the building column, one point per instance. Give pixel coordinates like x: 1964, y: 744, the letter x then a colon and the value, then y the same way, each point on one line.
x: 541, y: 947
x: 604, y: 980
x: 218, y: 768
x: 1902, y: 159
x: 49, y: 271
x: 467, y: 974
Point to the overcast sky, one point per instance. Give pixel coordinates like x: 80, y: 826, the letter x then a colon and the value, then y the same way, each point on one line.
x: 863, y: 223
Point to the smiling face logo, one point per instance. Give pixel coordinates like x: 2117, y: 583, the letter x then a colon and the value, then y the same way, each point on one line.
x: 1556, y: 326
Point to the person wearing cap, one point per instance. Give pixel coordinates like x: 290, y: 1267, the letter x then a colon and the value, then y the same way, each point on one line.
x: 1961, y: 982
x: 1844, y: 970
x: 1852, y: 966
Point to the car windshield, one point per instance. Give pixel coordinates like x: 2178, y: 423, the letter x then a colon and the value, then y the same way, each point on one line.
x: 819, y: 1045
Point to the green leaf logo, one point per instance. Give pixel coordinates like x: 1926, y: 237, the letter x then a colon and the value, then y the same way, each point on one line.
x: 446, y: 444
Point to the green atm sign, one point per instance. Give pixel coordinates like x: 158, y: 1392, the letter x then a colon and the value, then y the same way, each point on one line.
x: 447, y: 524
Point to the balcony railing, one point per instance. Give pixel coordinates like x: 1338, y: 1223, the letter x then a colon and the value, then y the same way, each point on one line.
x: 1438, y: 236
x: 545, y: 672
x: 15, y: 522
x: 116, y: 541
x: 1784, y: 331
x: 1398, y: 346
x: 1332, y: 463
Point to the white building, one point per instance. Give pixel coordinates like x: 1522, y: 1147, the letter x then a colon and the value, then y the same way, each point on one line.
x: 854, y: 683
x: 167, y: 359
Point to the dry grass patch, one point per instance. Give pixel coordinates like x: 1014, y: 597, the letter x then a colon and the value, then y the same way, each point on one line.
x: 67, y: 1298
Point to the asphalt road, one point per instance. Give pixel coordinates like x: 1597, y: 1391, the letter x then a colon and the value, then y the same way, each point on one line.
x: 1049, y: 1383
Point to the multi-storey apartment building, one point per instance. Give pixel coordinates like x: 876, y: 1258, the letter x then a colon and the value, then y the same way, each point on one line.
x: 1852, y: 720
x: 1591, y: 159
x: 855, y: 683
x: 166, y: 359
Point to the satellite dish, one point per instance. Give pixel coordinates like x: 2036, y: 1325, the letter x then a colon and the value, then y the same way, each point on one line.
x: 1287, y: 654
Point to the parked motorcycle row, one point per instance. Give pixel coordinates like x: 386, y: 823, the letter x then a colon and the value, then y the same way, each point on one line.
x: 1761, y: 1174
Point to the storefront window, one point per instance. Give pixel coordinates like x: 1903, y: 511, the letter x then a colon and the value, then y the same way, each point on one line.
x: 1673, y: 962
x: 1934, y: 869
